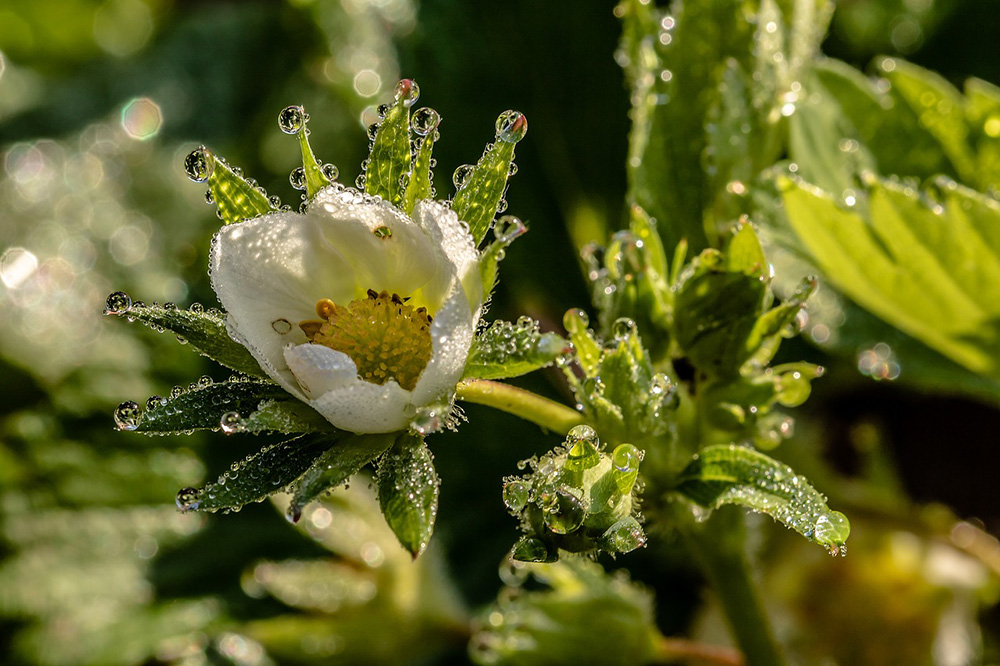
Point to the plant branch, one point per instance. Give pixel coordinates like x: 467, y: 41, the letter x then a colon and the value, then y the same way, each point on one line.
x: 549, y: 414
x: 670, y: 650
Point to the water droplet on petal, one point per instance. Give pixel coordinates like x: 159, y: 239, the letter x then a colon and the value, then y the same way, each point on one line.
x: 292, y: 119
x: 382, y: 232
x: 127, y: 416
x: 281, y: 326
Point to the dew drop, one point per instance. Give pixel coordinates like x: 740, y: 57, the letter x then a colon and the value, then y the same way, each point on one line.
x: 576, y: 320
x: 515, y: 495
x: 209, y: 197
x: 199, y: 164
x: 407, y: 91
x: 281, y: 326
x: 297, y: 178
x: 373, y: 131
x: 382, y: 232
x: 511, y: 170
x: 292, y: 119
x: 567, y: 512
x: 187, y: 499
x: 128, y: 415
x: 383, y: 110
x: 626, y: 458
x: 511, y: 126
x: 623, y: 328
x: 230, y: 423
x: 330, y: 171
x: 155, y: 401
x: 508, y: 228
x: 462, y: 175
x: 424, y: 121
x: 118, y: 303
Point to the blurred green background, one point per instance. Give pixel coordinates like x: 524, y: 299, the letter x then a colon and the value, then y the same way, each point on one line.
x: 99, y: 103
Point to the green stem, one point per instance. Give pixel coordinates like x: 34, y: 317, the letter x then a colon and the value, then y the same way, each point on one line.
x: 719, y: 543
x: 529, y: 406
x: 672, y: 650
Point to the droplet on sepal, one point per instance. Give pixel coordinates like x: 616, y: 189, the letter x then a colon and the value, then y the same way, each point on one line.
x: 424, y: 121
x: 567, y: 512
x: 297, y: 178
x: 292, y: 119
x: 623, y: 328
x: 511, y: 126
x: 515, y: 495
x: 154, y: 401
x: 187, y: 499
x: 199, y: 164
x: 128, y: 415
x: 118, y: 303
x: 508, y: 228
x: 230, y: 423
x: 576, y: 320
x: 462, y: 175
x: 407, y: 91
x: 330, y: 171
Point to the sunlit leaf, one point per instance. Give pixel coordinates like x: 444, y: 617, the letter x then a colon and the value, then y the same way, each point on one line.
x: 203, y: 406
x: 389, y: 158
x: 730, y: 474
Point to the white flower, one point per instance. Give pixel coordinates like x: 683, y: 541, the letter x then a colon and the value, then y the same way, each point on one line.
x: 364, y: 313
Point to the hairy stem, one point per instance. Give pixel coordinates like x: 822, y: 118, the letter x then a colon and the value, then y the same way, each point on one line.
x: 671, y: 650
x: 529, y: 406
x: 719, y: 543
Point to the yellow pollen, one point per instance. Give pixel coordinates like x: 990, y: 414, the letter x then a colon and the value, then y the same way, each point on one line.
x: 385, y: 337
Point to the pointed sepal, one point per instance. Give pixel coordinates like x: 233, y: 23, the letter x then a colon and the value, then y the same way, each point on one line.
x: 408, y: 488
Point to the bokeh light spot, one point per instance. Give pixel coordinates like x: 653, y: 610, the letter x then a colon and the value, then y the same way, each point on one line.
x: 142, y: 118
x: 16, y: 266
x: 367, y: 82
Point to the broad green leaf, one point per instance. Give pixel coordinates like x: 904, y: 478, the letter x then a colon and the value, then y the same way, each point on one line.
x: 389, y: 158
x: 203, y: 330
x: 674, y: 63
x: 408, y: 489
x: 236, y: 198
x: 939, y: 109
x: 335, y: 466
x: 480, y: 191
x: 268, y: 471
x: 509, y: 350
x: 203, y: 406
x: 730, y: 474
x: 931, y: 270
x: 420, y: 184
x: 285, y: 416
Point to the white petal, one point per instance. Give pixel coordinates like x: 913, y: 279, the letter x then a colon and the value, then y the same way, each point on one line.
x: 362, y: 407
x: 455, y: 249
x: 272, y: 268
x: 319, y: 369
x: 400, y: 262
x: 451, y: 337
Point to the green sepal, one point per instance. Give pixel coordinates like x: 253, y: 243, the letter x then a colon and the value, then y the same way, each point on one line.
x: 315, y: 179
x: 530, y: 549
x: 408, y: 488
x: 202, y: 406
x: 236, y: 199
x: 715, y: 313
x: 476, y: 202
x: 745, y: 254
x: 204, y: 331
x: 730, y: 474
x: 420, y: 184
x: 777, y: 323
x: 285, y: 416
x: 389, y: 158
x: 268, y: 471
x: 509, y: 350
x: 507, y: 229
x: 335, y: 466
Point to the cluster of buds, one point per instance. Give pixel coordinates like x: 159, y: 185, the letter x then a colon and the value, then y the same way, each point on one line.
x: 577, y: 498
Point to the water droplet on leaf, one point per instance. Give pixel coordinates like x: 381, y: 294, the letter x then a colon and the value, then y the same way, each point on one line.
x: 118, y: 303
x: 199, y: 164
x: 127, y: 416
x: 511, y: 126
x: 292, y: 119
x: 425, y: 120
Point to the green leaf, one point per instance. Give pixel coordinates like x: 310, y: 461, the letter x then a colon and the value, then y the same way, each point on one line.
x: 668, y: 113
x: 481, y: 191
x: 284, y: 416
x: 268, y: 471
x: 336, y: 466
x: 203, y: 406
x: 983, y: 113
x: 236, y: 198
x: 931, y: 270
x: 389, y: 158
x: 730, y: 474
x: 509, y: 350
x: 408, y: 489
x: 203, y: 330
x: 745, y: 254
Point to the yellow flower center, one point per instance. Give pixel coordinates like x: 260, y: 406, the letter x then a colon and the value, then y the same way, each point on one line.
x: 385, y: 337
